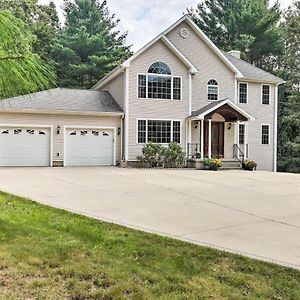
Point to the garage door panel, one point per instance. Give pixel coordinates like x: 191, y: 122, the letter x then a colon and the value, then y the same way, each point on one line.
x: 24, y: 146
x: 89, y: 147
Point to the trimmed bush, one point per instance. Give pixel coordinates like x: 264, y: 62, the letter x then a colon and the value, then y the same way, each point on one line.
x: 249, y: 165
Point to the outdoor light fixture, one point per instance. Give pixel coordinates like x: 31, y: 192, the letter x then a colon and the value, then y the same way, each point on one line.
x: 119, y: 131
x: 58, y: 129
x: 229, y: 126
x: 196, y: 125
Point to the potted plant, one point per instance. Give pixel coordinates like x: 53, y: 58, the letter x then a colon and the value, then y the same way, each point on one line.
x: 215, y: 164
x: 249, y: 165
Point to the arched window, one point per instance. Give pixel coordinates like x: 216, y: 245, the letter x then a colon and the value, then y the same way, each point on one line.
x: 212, y: 90
x: 159, y: 68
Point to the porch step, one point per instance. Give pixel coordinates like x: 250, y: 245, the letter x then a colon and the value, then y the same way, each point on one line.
x: 231, y: 165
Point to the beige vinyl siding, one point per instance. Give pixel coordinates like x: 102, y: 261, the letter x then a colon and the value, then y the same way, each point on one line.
x: 210, y: 66
x: 116, y: 88
x: 264, y: 114
x: 61, y: 120
x: 156, y: 108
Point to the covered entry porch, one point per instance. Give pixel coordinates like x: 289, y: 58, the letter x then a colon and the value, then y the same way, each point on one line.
x: 218, y: 130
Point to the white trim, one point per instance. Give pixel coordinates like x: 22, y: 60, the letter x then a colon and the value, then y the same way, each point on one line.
x: 209, y: 138
x: 61, y: 112
x: 235, y: 90
x: 202, y: 139
x: 230, y: 103
x: 261, y: 94
x: 211, y: 85
x: 238, y: 137
x: 157, y: 119
x: 35, y: 126
x: 113, y: 128
x: 159, y: 75
x: 190, y: 93
x: 275, y: 128
x: 247, y: 96
x: 269, y: 134
x: 206, y: 40
x: 126, y: 104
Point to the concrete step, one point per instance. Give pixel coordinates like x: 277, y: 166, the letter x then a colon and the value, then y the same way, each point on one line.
x: 231, y: 165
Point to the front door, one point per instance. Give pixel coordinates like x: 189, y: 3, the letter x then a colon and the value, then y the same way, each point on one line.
x: 217, y: 139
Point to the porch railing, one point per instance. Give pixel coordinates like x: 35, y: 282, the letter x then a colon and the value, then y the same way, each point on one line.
x: 193, y: 151
x: 238, y: 153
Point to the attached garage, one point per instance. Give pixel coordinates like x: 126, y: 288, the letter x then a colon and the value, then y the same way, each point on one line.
x: 89, y: 146
x: 25, y: 146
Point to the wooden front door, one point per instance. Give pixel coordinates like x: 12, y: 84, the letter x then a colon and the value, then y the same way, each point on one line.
x: 217, y: 139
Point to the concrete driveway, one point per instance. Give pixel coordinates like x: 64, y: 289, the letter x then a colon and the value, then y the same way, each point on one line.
x: 252, y: 213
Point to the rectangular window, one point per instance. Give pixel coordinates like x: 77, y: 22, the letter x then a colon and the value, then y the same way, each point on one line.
x: 241, y: 134
x: 177, y: 88
x: 243, y: 92
x: 265, y: 134
x: 159, y: 87
x: 265, y: 94
x: 142, y: 86
x: 158, y: 131
x: 212, y: 92
x: 142, y: 131
x: 176, y: 132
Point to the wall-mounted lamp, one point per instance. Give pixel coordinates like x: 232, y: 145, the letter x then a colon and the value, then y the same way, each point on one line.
x: 58, y: 129
x: 229, y: 126
x: 196, y: 125
x: 118, y: 131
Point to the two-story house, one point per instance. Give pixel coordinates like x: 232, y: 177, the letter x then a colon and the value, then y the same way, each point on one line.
x: 179, y: 87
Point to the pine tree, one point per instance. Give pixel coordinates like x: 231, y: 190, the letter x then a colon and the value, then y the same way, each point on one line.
x: 250, y: 26
x: 21, y: 71
x: 89, y: 45
x: 41, y: 20
x: 289, y: 100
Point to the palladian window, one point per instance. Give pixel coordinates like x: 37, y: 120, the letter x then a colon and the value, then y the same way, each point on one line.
x: 159, y: 83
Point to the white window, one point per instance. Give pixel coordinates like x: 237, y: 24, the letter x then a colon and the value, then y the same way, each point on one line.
x: 159, y: 83
x: 265, y: 94
x: 158, y: 131
x: 243, y: 92
x: 212, y: 90
x: 241, y: 134
x: 265, y: 134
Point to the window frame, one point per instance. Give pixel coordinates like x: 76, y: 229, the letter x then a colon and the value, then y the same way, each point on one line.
x: 244, y: 139
x: 157, y: 119
x: 247, y: 95
x: 269, y: 134
x: 261, y: 94
x: 210, y: 85
x: 158, y: 75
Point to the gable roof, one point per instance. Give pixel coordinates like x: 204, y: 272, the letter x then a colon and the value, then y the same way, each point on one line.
x: 252, y: 72
x: 63, y: 100
x: 209, y: 108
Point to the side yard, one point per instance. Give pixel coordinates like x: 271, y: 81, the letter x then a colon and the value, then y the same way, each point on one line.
x: 46, y: 253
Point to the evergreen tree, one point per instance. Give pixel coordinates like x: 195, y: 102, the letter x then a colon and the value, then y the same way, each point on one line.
x: 89, y: 45
x: 21, y: 71
x: 250, y: 26
x: 42, y: 21
x: 289, y: 99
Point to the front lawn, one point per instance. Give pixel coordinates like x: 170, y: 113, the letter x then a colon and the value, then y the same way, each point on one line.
x: 46, y: 253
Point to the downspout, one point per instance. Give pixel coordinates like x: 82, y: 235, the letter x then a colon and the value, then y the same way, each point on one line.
x: 275, y: 128
x: 122, y: 120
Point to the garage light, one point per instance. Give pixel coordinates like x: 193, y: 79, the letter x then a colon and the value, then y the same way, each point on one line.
x: 58, y: 129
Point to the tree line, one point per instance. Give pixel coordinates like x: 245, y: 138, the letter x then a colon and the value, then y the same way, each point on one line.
x: 37, y: 52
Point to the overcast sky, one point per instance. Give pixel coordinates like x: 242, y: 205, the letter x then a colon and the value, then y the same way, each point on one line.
x: 144, y: 19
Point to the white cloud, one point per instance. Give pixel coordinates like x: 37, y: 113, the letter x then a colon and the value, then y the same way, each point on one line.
x: 144, y: 19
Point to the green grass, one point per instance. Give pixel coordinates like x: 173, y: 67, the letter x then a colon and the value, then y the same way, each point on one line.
x: 46, y: 253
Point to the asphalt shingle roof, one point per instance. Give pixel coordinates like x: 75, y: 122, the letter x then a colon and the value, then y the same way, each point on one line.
x: 250, y: 71
x: 63, y: 99
x: 206, y: 108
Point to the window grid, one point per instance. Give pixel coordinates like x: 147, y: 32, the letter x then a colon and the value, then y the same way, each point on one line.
x: 142, y: 131
x: 176, y: 88
x: 266, y: 94
x: 159, y: 87
x: 212, y: 90
x: 176, y: 131
x: 243, y: 91
x: 241, y: 134
x: 142, y: 86
x: 265, y: 133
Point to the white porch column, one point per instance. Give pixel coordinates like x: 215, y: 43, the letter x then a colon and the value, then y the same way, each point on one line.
x: 209, y: 138
x: 238, y: 137
x: 202, y: 139
x: 246, y: 140
x: 190, y: 131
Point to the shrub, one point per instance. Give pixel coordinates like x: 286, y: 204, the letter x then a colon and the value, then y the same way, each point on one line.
x: 156, y: 155
x: 173, y: 156
x: 250, y: 165
x: 213, y: 164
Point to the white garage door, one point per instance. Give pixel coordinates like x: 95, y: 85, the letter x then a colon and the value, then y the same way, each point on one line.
x: 89, y: 147
x: 24, y: 146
